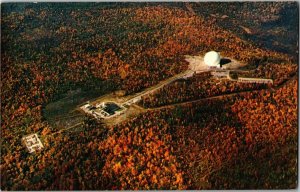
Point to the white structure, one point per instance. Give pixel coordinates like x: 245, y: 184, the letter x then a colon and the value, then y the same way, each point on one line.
x: 212, y: 59
x: 255, y: 80
x: 32, y: 142
x: 221, y: 74
x: 101, y: 110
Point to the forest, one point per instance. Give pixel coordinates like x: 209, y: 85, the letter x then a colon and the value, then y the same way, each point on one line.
x: 49, y: 49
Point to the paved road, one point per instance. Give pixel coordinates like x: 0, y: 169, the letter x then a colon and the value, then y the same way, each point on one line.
x: 73, y: 126
x: 160, y: 85
x: 201, y: 99
x: 179, y: 76
x: 272, y: 89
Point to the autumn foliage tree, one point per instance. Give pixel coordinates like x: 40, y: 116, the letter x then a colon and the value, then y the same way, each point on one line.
x: 49, y: 49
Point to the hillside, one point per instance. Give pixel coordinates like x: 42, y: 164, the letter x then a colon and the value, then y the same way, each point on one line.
x: 61, y: 54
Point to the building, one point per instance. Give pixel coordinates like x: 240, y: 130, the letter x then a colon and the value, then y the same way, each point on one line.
x: 255, y: 80
x: 32, y: 142
x: 212, y: 60
x: 221, y: 74
x: 104, y: 110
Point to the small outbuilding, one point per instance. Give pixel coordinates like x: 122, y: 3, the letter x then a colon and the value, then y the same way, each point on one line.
x: 32, y: 142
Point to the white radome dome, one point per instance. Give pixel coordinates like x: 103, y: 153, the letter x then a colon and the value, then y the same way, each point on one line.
x: 212, y: 58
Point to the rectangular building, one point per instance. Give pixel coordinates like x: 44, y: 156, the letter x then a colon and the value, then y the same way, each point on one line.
x: 255, y: 80
x: 32, y: 142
